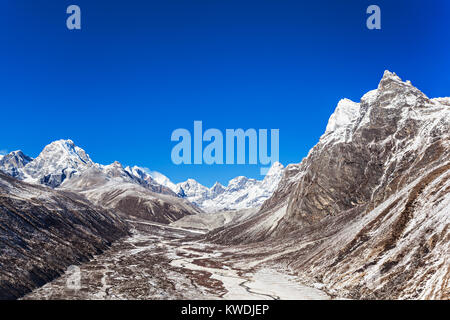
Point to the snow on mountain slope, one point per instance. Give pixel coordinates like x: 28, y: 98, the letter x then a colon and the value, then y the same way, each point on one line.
x: 59, y: 160
x: 62, y: 160
x: 367, y: 212
x: 146, y: 178
x: 13, y: 163
x: 163, y: 180
x: 241, y: 192
x: 193, y: 191
x: 130, y: 191
x: 340, y: 122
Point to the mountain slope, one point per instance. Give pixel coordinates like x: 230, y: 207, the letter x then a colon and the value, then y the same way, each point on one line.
x: 112, y: 187
x: 367, y: 212
x: 43, y: 231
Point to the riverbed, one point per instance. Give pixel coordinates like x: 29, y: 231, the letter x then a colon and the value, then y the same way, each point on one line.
x: 160, y: 262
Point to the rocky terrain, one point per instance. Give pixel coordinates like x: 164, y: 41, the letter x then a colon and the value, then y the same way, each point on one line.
x: 367, y: 212
x: 43, y: 231
x: 61, y: 209
x: 158, y: 262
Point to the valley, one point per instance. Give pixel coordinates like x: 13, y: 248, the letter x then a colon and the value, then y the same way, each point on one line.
x: 365, y: 215
x: 161, y: 262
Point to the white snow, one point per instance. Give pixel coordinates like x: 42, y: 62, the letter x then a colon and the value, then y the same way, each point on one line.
x: 346, y: 112
x: 57, y: 158
x: 341, y: 122
x: 240, y: 193
x: 163, y: 180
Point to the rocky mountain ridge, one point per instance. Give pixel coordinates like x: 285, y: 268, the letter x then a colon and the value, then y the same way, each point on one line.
x: 367, y: 212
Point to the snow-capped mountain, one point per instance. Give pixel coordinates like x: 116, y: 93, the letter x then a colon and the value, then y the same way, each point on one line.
x: 129, y: 191
x: 366, y: 213
x: 162, y: 180
x: 153, y: 178
x: 63, y: 165
x: 13, y: 163
x: 61, y: 161
x: 58, y: 161
x: 241, y: 192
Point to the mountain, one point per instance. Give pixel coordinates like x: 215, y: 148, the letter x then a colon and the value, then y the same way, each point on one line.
x: 113, y: 187
x: 62, y: 164
x: 366, y: 213
x: 241, y: 192
x: 59, y: 160
x: 132, y: 192
x: 13, y: 163
x: 153, y: 180
x: 43, y: 231
x: 162, y: 180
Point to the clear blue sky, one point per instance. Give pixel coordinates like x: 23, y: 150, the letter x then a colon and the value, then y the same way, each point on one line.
x: 140, y: 69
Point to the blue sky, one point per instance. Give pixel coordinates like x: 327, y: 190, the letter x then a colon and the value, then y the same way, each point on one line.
x: 140, y: 69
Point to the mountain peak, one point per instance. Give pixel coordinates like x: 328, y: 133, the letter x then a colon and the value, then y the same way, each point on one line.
x: 390, y: 75
x: 65, y: 149
x: 59, y: 160
x: 275, y: 168
x: 116, y: 164
x: 217, y: 184
x: 162, y: 180
x: 192, y: 183
x: 13, y: 162
x: 217, y: 188
x: 343, y: 117
x: 65, y: 143
x: 389, y: 78
x: 18, y: 155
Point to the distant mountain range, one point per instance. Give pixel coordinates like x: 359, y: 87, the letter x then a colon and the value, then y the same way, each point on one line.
x: 64, y: 165
x: 240, y: 193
